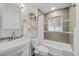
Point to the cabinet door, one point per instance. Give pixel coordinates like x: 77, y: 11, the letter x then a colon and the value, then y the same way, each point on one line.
x: 27, y: 50
x: 17, y: 52
x: 22, y: 50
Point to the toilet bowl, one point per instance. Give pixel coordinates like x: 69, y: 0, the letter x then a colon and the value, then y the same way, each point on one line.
x: 39, y: 50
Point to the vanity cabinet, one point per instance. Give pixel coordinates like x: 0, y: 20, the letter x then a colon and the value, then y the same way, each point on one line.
x: 23, y: 49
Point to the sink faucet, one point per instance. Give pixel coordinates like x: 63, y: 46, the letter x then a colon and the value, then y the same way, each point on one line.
x: 12, y: 36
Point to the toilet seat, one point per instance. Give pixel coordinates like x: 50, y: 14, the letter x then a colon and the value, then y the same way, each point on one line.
x: 42, y: 49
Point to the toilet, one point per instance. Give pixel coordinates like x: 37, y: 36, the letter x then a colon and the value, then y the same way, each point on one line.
x: 39, y: 50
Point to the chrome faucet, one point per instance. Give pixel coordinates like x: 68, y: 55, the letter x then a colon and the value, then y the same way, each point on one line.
x: 12, y: 36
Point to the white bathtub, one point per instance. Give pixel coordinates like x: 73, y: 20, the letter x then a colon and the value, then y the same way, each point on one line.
x: 58, y: 48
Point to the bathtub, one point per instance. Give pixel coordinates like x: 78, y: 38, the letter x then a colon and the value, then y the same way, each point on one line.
x: 58, y: 48
x: 55, y: 48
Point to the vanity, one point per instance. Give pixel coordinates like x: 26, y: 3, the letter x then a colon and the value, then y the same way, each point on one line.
x: 18, y: 47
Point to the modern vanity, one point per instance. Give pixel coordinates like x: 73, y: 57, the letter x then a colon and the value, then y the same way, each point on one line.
x: 18, y: 47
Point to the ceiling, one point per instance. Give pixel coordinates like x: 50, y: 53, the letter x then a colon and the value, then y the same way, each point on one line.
x: 46, y: 7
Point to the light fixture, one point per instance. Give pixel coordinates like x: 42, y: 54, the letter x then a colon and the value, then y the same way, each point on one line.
x: 22, y: 5
x: 53, y: 8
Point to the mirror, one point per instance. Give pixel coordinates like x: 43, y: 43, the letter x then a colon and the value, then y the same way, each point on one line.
x: 10, y: 20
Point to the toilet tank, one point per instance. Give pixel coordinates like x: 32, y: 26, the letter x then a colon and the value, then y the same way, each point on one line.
x: 34, y: 43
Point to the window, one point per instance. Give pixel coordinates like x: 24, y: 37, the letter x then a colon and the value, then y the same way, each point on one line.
x: 55, y: 24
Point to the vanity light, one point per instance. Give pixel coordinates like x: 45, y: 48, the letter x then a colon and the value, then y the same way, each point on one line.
x: 53, y: 8
x: 22, y: 5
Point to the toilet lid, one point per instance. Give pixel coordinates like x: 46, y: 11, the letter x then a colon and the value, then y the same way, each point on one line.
x: 42, y: 49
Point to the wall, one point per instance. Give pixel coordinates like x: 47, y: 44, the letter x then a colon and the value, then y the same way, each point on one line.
x: 40, y: 27
x: 76, y: 33
x: 58, y: 36
x: 26, y: 31
x: 72, y: 18
x: 0, y: 23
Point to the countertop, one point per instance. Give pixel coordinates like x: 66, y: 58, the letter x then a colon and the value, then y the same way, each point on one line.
x: 12, y: 44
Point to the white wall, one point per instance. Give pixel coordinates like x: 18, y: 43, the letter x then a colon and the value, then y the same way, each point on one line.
x: 76, y: 33
x: 28, y: 9
x: 0, y: 23
x: 72, y: 18
x: 40, y: 29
